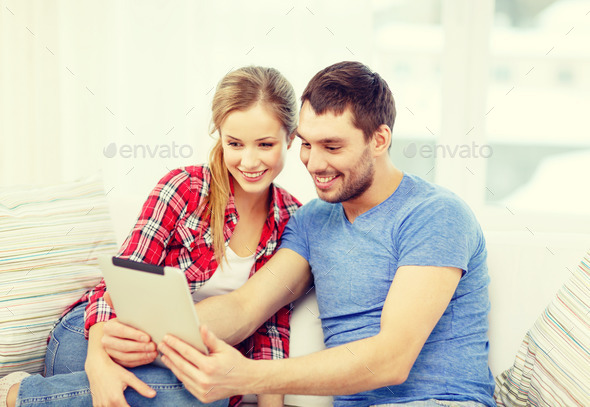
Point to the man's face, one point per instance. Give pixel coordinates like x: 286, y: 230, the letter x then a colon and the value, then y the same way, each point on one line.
x: 335, y: 154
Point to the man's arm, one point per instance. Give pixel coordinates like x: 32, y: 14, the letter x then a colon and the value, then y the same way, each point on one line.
x: 235, y: 316
x: 416, y: 300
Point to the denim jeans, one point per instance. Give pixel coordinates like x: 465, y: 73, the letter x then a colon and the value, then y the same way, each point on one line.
x: 65, y: 383
x: 434, y: 403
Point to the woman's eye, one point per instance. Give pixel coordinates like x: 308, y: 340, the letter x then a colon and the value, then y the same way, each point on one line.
x: 233, y: 144
x: 306, y: 145
x: 267, y: 145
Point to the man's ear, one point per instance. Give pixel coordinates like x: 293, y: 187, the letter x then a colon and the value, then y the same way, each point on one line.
x: 290, y: 140
x: 381, y: 139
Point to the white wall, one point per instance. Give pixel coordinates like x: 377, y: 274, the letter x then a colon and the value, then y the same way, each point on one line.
x: 78, y: 76
x: 90, y: 74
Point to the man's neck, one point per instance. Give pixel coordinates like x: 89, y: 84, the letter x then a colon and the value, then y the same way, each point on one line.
x: 386, y: 181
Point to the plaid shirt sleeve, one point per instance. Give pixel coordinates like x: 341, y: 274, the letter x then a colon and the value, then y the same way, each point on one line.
x: 166, y: 204
x: 271, y: 340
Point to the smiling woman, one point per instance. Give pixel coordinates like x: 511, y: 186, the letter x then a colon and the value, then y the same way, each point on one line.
x: 254, y: 147
x: 219, y: 223
x: 242, y: 109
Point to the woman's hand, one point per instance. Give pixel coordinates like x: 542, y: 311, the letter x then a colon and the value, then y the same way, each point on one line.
x: 108, y: 380
x: 221, y: 374
x: 127, y: 346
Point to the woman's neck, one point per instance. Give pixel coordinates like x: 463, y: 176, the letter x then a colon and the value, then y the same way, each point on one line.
x: 248, y: 203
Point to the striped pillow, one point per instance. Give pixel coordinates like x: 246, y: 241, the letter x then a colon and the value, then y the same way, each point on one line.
x: 49, y: 240
x: 552, y: 367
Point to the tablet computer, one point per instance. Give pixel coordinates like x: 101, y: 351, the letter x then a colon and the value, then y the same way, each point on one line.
x: 154, y: 299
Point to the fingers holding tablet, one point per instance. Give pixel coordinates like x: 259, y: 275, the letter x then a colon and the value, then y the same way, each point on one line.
x: 128, y: 346
x: 150, y: 301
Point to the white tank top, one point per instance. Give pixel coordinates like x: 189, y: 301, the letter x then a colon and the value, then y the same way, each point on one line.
x: 234, y: 274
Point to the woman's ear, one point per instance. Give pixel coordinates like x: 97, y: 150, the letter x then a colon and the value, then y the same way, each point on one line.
x: 382, y: 139
x: 290, y: 140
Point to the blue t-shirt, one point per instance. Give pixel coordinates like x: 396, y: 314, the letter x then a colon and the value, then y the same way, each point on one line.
x: 353, y: 265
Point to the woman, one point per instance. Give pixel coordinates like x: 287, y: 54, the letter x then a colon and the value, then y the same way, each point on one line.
x: 195, y: 216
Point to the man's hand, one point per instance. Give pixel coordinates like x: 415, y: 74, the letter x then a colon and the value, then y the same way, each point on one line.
x: 208, y: 377
x: 127, y: 346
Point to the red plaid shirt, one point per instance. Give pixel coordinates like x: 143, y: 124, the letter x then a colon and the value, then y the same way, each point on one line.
x: 170, y: 232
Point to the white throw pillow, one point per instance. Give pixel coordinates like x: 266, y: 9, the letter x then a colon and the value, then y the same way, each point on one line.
x: 552, y: 367
x: 50, y: 238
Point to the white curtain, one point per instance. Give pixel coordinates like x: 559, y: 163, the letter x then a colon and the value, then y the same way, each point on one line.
x: 124, y: 87
x: 81, y: 81
x: 30, y: 121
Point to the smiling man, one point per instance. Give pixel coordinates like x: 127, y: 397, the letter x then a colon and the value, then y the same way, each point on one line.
x: 399, y: 267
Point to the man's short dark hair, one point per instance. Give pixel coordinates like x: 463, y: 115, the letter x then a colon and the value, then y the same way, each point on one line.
x: 352, y: 85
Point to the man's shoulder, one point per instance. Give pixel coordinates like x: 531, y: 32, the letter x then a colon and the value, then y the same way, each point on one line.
x: 434, y: 204
x: 317, y: 207
x: 423, y: 193
x: 314, y: 213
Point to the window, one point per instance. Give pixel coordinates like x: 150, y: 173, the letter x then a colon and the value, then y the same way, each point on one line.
x: 539, y: 129
x: 492, y: 103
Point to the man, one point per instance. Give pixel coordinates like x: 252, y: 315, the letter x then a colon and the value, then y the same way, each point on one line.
x: 399, y: 267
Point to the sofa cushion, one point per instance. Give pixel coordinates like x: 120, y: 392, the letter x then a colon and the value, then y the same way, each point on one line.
x: 551, y: 367
x: 49, y: 239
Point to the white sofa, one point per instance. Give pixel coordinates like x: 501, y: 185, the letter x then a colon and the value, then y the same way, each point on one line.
x: 525, y: 269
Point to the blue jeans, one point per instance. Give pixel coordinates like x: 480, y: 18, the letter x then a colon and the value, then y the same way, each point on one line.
x: 65, y: 383
x: 434, y: 403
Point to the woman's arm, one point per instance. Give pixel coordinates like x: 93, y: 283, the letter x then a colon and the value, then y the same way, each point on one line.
x: 148, y: 239
x: 127, y: 346
x: 170, y: 198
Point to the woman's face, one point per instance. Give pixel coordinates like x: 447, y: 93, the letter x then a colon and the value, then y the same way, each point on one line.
x: 254, y: 148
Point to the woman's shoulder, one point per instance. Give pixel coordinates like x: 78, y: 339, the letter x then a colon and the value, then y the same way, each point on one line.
x: 192, y: 175
x: 186, y: 186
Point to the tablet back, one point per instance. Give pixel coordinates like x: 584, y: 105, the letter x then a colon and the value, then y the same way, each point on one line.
x: 153, y: 299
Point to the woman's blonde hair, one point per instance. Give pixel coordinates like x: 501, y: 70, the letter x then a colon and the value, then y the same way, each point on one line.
x: 240, y: 90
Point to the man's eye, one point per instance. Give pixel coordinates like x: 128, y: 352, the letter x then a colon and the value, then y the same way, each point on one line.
x: 306, y: 145
x: 329, y: 148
